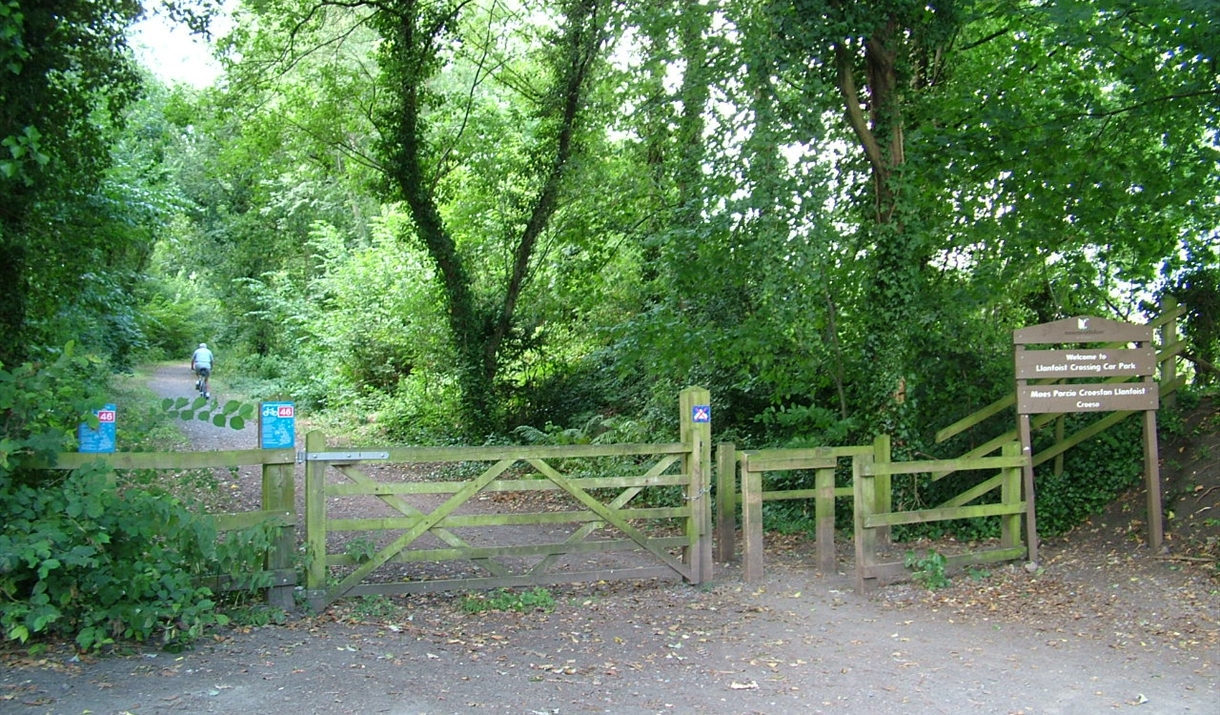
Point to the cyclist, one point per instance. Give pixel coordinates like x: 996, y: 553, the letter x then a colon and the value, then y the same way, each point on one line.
x: 201, y: 363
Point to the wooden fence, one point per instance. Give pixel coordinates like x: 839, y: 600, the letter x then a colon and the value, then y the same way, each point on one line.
x: 683, y: 466
x: 753, y: 465
x: 870, y: 491
x: 872, y: 474
x: 873, y: 515
x: 277, y: 511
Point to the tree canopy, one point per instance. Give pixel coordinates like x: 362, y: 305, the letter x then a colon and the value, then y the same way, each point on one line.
x: 466, y: 216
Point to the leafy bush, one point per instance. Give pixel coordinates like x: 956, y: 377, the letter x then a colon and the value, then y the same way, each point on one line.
x: 83, y: 554
x: 536, y: 599
x: 927, y: 570
x: 84, y: 559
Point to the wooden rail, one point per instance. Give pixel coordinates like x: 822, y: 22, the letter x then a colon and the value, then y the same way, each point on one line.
x: 730, y: 497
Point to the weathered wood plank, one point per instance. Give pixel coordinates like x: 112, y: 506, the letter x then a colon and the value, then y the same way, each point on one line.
x: 391, y: 523
x: 726, y: 503
x: 279, y: 493
x: 435, y: 455
x: 805, y: 452
x: 471, y: 584
x: 863, y: 505
x: 697, y: 462
x: 1010, y: 493
x: 175, y: 460
x: 751, y: 521
x: 925, y: 515
x: 942, y: 465
x: 883, y: 496
x: 540, y: 484
x: 551, y: 549
x: 778, y: 463
x: 315, y: 522
x: 824, y: 517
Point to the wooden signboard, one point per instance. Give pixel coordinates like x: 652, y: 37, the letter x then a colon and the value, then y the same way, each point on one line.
x: 1107, y: 397
x: 1093, y: 364
x: 1079, y: 358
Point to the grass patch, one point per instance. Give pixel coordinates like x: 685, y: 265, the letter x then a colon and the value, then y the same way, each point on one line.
x: 537, y: 599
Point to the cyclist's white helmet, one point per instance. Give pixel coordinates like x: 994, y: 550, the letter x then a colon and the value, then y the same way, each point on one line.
x: 203, y: 345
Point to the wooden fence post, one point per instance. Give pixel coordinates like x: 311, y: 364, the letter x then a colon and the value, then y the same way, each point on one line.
x: 696, y: 431
x: 824, y: 518
x: 1010, y: 493
x: 315, y: 522
x: 751, y: 521
x: 726, y: 502
x: 883, y: 500
x: 1169, y: 338
x: 864, y: 499
x: 279, y: 494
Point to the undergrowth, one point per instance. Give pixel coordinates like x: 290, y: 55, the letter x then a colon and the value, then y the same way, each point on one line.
x: 90, y: 554
x: 536, y: 599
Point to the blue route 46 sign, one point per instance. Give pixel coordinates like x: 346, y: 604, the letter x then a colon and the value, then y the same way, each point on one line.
x: 278, y: 422
x: 102, y: 439
x: 701, y: 413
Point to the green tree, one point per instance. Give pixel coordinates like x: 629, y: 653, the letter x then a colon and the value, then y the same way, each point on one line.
x: 452, y: 76
x: 66, y: 79
x: 416, y: 36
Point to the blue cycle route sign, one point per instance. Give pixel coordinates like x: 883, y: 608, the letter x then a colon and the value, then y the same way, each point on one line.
x: 278, y: 422
x: 701, y: 413
x: 102, y: 439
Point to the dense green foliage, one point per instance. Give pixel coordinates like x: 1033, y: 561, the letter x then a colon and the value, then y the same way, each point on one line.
x: 410, y: 219
x: 88, y: 554
x: 476, y: 220
x: 65, y: 233
x: 454, y: 219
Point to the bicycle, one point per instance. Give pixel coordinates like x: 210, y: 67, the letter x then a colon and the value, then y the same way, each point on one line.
x: 202, y: 384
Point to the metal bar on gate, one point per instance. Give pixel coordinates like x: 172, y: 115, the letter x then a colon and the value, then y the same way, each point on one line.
x: 345, y: 456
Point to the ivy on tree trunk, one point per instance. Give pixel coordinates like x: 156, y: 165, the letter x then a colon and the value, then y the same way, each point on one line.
x: 416, y: 34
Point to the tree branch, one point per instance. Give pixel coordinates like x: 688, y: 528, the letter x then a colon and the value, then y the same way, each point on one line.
x: 582, y: 41
x: 852, y: 104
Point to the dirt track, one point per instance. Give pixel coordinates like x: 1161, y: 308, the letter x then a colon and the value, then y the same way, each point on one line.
x: 1093, y: 633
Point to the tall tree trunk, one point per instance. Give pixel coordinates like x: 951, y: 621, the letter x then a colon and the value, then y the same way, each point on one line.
x: 479, y: 326
x: 896, y: 263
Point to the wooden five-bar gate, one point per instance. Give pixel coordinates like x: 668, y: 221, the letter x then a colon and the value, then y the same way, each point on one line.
x: 586, y: 499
